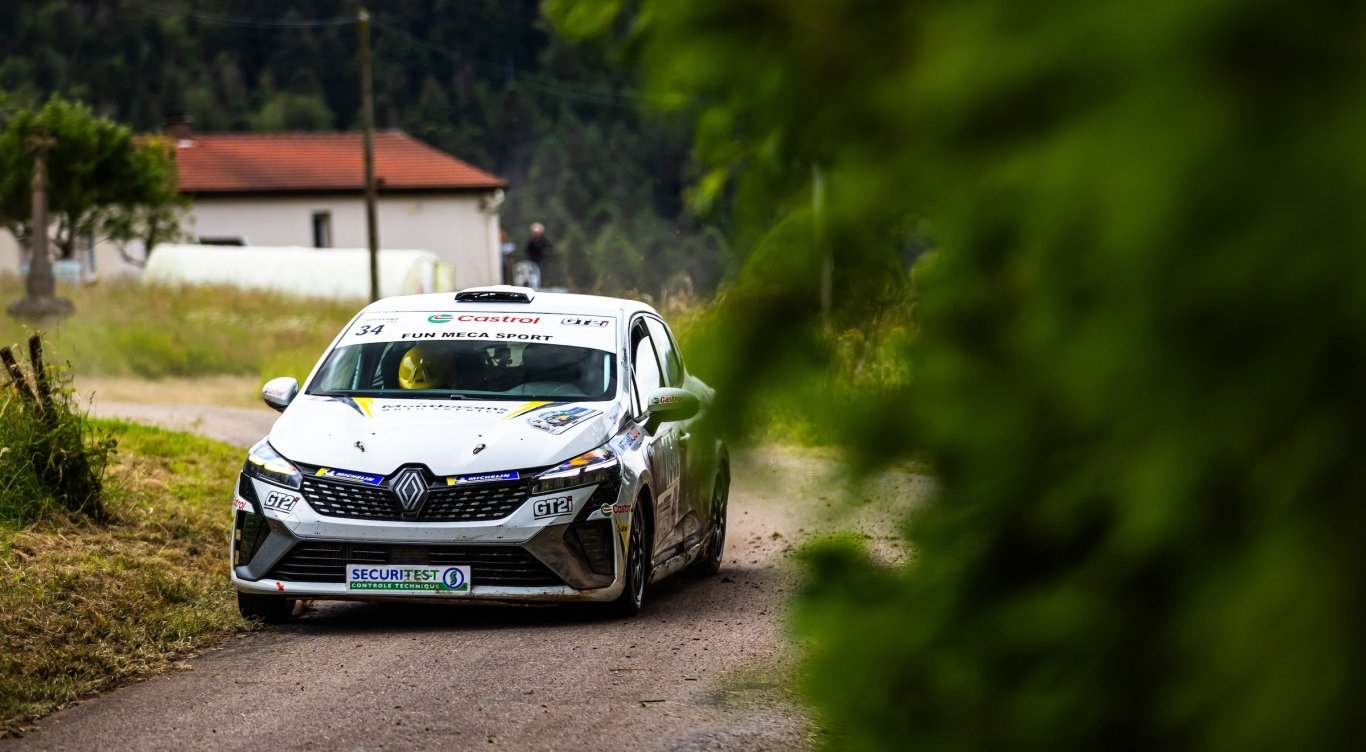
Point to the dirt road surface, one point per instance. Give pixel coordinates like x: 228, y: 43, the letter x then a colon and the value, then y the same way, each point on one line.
x: 703, y: 667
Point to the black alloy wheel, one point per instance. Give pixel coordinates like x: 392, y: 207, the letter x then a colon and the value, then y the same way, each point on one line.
x: 710, y: 561
x: 633, y: 594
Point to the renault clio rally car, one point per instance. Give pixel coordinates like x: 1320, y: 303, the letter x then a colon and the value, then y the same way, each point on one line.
x: 495, y: 444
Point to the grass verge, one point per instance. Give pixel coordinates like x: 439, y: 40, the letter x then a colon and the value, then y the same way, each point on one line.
x: 125, y: 328
x: 85, y: 607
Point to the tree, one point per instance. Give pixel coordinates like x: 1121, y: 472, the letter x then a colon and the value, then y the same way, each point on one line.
x: 1141, y: 345
x: 102, y: 182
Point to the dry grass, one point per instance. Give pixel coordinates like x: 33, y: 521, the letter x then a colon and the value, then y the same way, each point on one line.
x: 86, y: 607
x: 228, y: 391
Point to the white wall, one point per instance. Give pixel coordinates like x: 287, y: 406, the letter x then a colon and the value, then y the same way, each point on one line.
x: 458, y: 230
x: 461, y: 231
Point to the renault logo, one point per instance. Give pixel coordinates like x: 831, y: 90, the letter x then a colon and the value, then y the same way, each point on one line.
x: 410, y: 488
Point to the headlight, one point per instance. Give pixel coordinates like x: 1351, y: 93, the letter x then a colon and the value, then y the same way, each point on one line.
x: 265, y: 463
x: 596, y: 466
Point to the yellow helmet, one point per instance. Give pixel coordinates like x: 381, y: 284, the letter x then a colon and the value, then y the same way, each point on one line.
x: 423, y: 367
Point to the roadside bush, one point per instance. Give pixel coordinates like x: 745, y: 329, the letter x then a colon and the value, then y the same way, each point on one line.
x: 50, y: 458
x: 1139, y: 359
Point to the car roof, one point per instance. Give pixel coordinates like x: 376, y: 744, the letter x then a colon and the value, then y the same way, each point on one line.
x: 505, y: 298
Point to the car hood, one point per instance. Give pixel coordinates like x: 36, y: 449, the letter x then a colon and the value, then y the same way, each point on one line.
x: 450, y: 437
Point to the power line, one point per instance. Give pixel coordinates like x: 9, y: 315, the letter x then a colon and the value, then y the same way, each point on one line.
x: 216, y: 19
x: 549, y: 85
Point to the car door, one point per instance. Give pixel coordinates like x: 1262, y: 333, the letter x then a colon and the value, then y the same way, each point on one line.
x: 694, y: 482
x: 660, y: 442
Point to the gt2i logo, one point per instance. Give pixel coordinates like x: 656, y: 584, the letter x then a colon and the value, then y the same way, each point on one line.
x: 585, y: 322
x: 553, y: 507
x: 280, y: 502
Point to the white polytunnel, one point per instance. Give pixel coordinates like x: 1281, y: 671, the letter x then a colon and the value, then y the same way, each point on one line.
x: 332, y: 273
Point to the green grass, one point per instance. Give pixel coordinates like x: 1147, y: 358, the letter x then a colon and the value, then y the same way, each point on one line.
x: 85, y: 607
x: 125, y: 328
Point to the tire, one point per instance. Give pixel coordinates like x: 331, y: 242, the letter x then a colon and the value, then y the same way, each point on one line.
x: 637, y: 569
x: 709, y: 563
x: 271, y: 609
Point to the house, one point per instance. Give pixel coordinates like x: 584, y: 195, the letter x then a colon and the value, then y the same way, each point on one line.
x: 307, y: 189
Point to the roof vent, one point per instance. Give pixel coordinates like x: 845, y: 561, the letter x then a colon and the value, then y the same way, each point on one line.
x: 496, y: 294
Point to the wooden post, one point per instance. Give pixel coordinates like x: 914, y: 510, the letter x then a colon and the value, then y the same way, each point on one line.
x: 367, y: 109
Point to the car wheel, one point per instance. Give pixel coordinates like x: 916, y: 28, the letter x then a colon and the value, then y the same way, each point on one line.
x: 637, y: 569
x: 710, y: 561
x: 271, y: 609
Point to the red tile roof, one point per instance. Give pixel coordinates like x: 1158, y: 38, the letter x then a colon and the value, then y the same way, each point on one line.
x: 318, y: 162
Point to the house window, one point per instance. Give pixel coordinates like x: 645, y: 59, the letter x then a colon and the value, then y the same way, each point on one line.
x: 322, y: 229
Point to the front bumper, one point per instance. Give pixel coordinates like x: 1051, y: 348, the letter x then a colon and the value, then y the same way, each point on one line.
x: 286, y: 547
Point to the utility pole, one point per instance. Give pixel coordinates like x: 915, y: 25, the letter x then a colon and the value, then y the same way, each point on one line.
x: 41, y: 301
x: 818, y: 238
x: 367, y: 110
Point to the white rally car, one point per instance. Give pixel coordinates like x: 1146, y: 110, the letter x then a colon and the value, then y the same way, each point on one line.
x: 493, y: 444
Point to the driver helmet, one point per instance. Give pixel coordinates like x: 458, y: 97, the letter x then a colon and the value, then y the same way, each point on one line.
x: 423, y: 367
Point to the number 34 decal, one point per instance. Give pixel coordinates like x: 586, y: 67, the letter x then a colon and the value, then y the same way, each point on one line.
x: 367, y: 329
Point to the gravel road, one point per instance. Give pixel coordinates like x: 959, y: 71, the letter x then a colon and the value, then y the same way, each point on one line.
x: 701, y: 668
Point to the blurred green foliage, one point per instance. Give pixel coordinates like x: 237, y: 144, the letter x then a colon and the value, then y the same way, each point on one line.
x: 1136, y: 354
x: 101, y: 182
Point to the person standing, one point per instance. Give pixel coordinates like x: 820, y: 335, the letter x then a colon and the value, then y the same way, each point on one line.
x: 506, y: 248
x: 540, y: 250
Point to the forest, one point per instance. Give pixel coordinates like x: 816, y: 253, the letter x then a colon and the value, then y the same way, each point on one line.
x: 486, y: 80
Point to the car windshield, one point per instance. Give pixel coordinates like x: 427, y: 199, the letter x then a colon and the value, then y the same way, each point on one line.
x: 467, y: 369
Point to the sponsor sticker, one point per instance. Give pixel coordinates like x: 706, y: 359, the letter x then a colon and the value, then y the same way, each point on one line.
x: 495, y: 319
x: 347, y: 475
x: 561, y: 420
x: 610, y: 509
x: 460, y: 480
x: 439, y: 407
x: 560, y: 505
x: 240, y: 505
x: 407, y: 578
x: 629, y: 439
x: 280, y: 502
x: 362, y: 405
x: 577, y: 321
x: 441, y: 318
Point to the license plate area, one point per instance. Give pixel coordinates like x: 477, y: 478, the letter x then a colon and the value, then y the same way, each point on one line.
x: 408, y: 578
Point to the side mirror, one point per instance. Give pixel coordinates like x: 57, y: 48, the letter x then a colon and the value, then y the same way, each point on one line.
x: 669, y: 404
x: 279, y: 392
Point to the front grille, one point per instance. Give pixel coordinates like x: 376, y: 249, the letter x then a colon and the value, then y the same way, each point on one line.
x: 484, y: 501
x: 465, y: 503
x: 340, y: 499
x: 313, y: 561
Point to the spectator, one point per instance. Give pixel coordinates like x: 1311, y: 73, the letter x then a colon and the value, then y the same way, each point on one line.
x: 540, y: 251
x: 506, y: 248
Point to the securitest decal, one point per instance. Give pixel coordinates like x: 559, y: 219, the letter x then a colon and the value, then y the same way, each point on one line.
x: 559, y: 420
x: 347, y: 475
x: 399, y: 578
x: 461, y: 480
